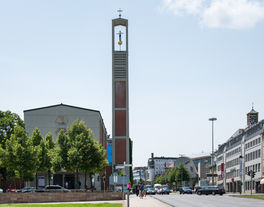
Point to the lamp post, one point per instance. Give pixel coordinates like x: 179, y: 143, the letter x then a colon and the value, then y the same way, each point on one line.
x: 240, y: 173
x: 212, y: 159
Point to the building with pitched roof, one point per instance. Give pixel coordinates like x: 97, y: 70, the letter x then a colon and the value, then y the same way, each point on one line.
x: 56, y: 117
x: 241, y: 154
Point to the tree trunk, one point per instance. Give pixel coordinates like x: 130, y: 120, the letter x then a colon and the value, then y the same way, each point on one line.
x: 4, y: 177
x: 20, y: 175
x: 85, y: 186
x: 90, y: 178
x: 36, y: 177
x: 78, y: 182
x: 49, y: 178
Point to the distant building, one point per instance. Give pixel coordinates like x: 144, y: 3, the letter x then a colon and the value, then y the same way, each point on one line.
x: 56, y: 117
x: 159, y: 165
x: 190, y: 167
x: 240, y: 154
x: 139, y: 174
x: 202, y: 165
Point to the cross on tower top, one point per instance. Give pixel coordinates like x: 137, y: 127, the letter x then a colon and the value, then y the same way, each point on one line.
x: 120, y: 11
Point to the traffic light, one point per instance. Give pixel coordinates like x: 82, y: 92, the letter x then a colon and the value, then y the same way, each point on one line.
x: 249, y: 173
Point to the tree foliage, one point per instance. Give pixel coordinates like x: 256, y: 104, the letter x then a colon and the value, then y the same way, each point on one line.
x: 8, y: 121
x: 160, y: 179
x: 20, y: 155
x: 78, y: 151
x: 178, y: 174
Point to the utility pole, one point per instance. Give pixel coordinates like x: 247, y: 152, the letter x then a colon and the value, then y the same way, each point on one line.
x: 212, y: 161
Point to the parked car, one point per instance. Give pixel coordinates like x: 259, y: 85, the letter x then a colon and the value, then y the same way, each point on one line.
x: 55, y: 188
x: 1, y: 190
x: 11, y: 190
x: 209, y: 190
x: 150, y: 191
x: 27, y: 190
x: 196, y: 188
x: 164, y: 190
x: 185, y: 190
x: 221, y: 189
x: 157, y: 188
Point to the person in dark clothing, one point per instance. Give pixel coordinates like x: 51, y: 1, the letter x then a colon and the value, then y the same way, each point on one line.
x: 141, y: 189
x: 137, y: 190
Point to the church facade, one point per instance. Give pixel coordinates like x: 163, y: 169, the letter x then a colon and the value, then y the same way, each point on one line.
x: 56, y: 117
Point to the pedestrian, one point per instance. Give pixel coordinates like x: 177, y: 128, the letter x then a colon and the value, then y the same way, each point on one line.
x: 141, y: 189
x: 137, y: 190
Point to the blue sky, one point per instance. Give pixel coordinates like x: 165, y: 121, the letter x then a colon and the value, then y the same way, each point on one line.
x: 189, y: 60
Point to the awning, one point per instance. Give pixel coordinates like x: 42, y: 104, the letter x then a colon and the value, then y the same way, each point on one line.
x: 262, y: 181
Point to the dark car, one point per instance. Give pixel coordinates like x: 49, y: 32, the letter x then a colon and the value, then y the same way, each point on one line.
x: 185, y: 190
x: 210, y: 190
x: 221, y: 189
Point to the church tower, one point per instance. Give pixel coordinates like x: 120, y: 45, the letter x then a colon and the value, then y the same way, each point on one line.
x: 252, y: 117
x: 120, y: 101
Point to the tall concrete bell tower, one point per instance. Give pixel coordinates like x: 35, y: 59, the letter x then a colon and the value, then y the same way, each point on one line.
x: 120, y: 101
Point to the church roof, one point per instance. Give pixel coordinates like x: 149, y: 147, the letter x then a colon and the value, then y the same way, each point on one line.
x: 61, y: 105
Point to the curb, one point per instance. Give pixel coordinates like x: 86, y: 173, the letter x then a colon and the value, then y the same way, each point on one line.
x: 162, y: 201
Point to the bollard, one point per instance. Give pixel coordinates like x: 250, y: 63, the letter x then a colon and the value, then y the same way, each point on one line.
x: 128, y: 198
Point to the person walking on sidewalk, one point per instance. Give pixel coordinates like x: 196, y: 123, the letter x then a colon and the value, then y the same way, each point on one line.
x: 137, y: 190
x: 141, y: 189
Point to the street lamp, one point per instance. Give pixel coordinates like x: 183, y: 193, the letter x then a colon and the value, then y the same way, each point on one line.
x: 240, y: 173
x: 212, y: 159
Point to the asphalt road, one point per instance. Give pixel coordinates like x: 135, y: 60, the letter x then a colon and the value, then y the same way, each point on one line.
x: 194, y: 200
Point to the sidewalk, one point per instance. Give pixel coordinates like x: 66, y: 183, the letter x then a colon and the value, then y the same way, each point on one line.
x: 145, y: 202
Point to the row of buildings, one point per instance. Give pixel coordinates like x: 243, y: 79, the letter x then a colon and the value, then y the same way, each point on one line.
x: 233, y: 161
x: 240, y: 154
x: 198, y: 168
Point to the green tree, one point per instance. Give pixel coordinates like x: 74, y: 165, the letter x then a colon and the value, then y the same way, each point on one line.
x: 8, y: 121
x: 131, y: 178
x: 172, y: 175
x: 61, y: 158
x: 98, y: 160
x: 36, y: 140
x: 160, y: 179
x: 79, y: 152
x: 45, y: 155
x: 21, y: 156
x: 183, y: 174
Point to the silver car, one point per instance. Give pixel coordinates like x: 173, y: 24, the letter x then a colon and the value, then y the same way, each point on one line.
x: 56, y: 188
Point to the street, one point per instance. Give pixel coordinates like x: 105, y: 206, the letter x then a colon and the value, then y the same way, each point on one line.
x: 208, y: 201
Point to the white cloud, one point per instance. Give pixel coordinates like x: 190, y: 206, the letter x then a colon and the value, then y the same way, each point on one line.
x: 180, y: 7
x: 232, y: 14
